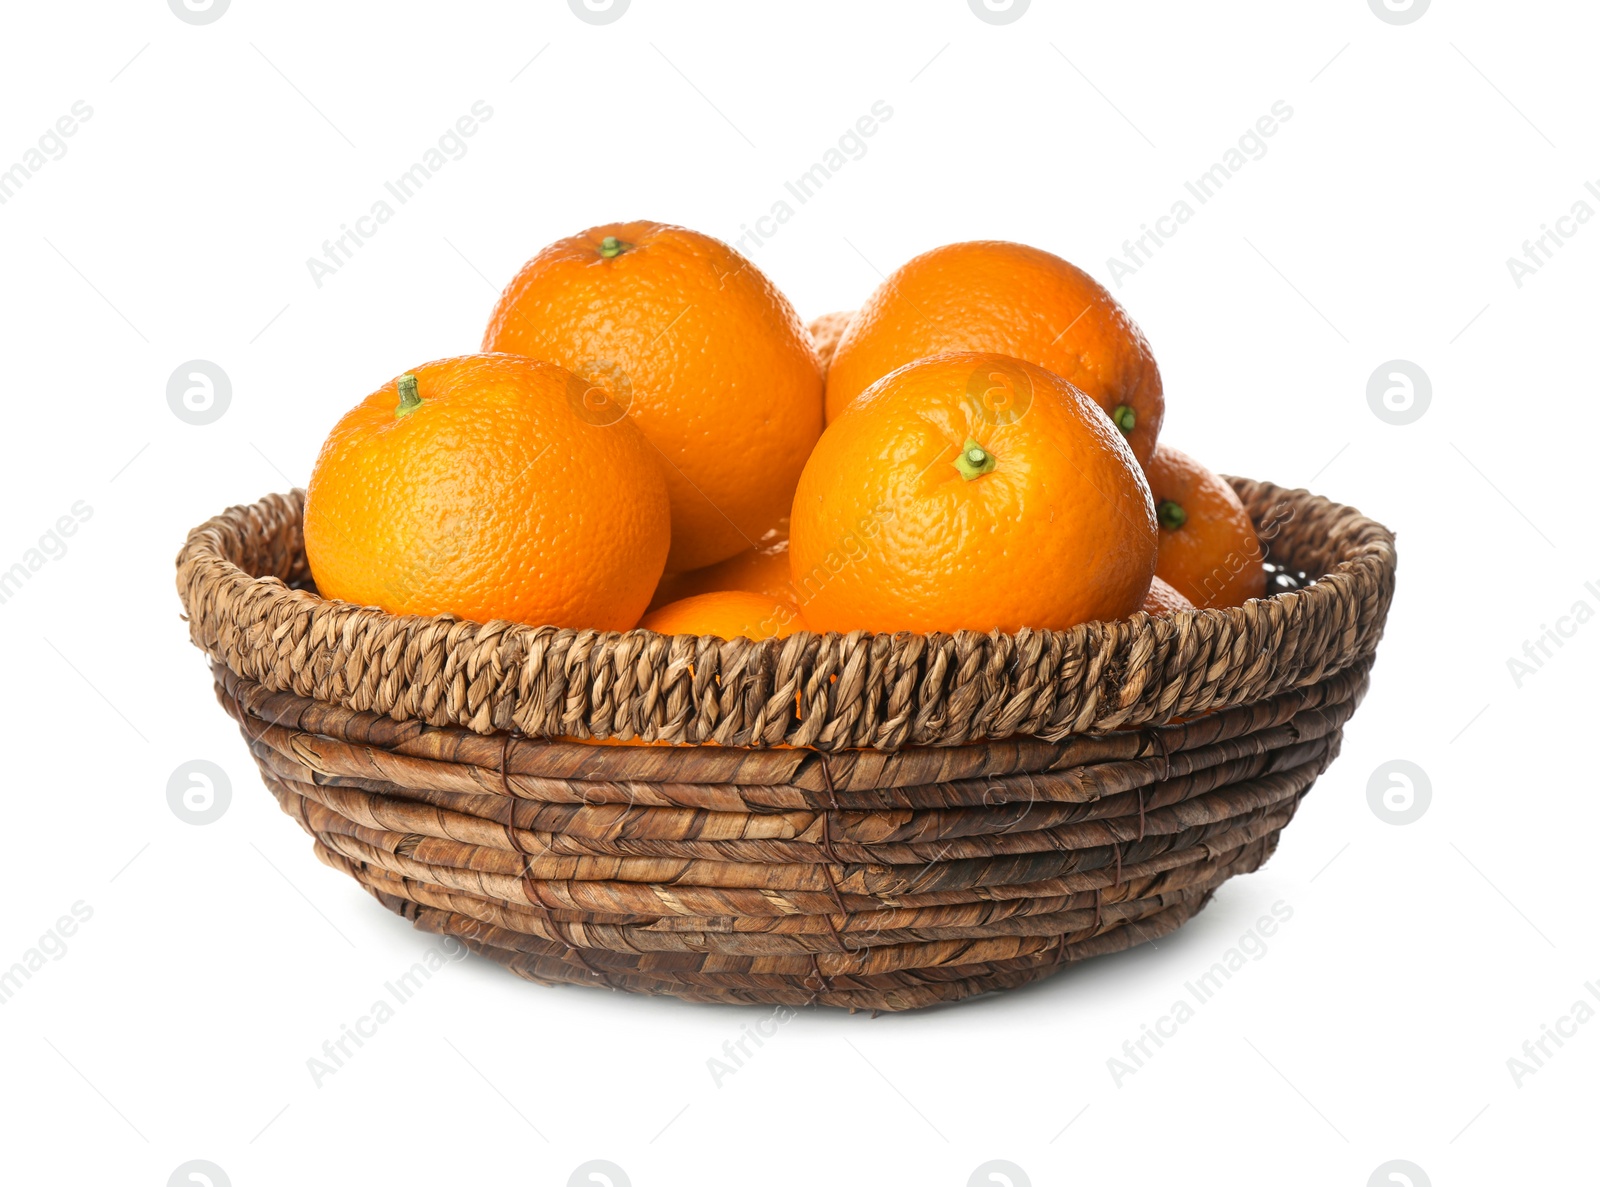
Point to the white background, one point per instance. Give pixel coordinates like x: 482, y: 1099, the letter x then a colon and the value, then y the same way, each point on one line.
x: 218, y: 959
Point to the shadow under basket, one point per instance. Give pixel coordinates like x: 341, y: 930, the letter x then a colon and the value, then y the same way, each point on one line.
x: 868, y: 821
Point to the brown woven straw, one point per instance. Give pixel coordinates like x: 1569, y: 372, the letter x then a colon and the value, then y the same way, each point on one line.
x: 943, y: 816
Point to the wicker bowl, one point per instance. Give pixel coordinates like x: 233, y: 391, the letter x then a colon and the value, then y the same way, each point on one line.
x: 868, y: 821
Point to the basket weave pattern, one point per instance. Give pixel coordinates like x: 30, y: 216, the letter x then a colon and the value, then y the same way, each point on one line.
x: 945, y: 815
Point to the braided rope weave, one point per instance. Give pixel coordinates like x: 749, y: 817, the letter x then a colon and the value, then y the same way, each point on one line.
x: 945, y: 815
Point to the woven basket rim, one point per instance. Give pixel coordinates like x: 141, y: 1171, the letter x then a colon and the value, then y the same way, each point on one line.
x: 861, y: 690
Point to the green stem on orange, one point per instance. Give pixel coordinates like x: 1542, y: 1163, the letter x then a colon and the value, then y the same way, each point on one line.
x: 1170, y: 515
x: 1124, y: 418
x: 611, y: 247
x: 410, y: 401
x: 973, y: 460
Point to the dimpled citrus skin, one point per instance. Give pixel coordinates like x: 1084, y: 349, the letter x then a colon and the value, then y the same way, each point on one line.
x: 1013, y: 300
x: 494, y: 498
x: 727, y: 614
x: 825, y: 334
x: 1163, y: 599
x: 887, y: 534
x: 1214, y: 558
x: 706, y: 356
x: 763, y: 570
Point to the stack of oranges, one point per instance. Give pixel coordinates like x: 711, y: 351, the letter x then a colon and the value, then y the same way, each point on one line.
x: 652, y: 437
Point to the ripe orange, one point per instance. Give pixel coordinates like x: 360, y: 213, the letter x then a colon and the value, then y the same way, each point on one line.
x: 686, y: 337
x: 763, y: 570
x: 825, y: 334
x: 726, y: 614
x: 1012, y: 300
x: 1209, y: 549
x: 970, y: 492
x: 475, y: 486
x: 1163, y: 599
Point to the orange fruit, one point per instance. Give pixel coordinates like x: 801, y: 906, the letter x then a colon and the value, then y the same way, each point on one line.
x: 1012, y: 300
x: 727, y: 614
x: 1163, y: 599
x: 688, y: 339
x: 970, y: 492
x: 1209, y: 550
x: 825, y: 334
x: 473, y: 486
x: 763, y: 570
